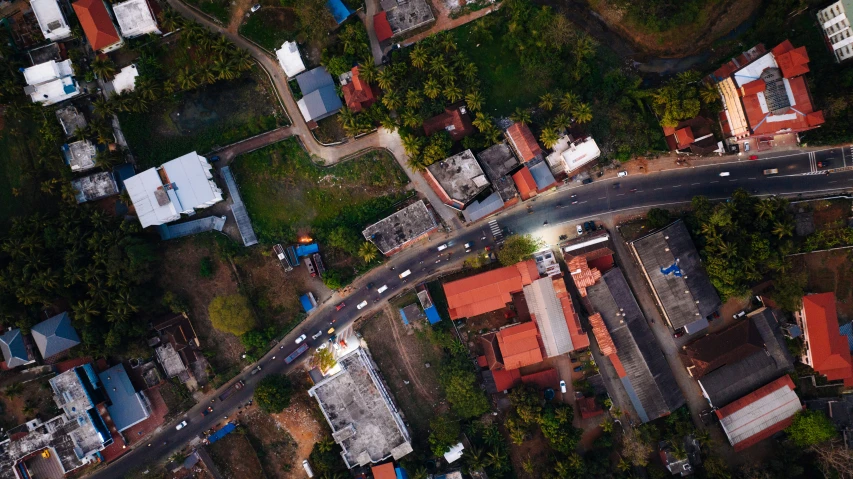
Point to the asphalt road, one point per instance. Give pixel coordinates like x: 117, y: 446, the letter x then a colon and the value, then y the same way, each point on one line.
x: 798, y: 175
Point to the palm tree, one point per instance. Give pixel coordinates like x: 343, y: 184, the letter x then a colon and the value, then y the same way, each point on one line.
x: 243, y: 60
x: 13, y: 390
x: 492, y: 135
x: 418, y: 57
x: 187, y: 79
x: 438, y: 65
x: 411, y: 118
x: 412, y: 144
x: 520, y: 115
x: 481, y: 121
x: 469, y: 71
x: 85, y: 311
x: 223, y: 70
x: 385, y: 79
x: 368, y: 71
x: 367, y: 251
x: 529, y: 466
x: 29, y: 409
x: 392, y: 100
x: 474, y: 99
x: 546, y: 102
x: 447, y: 42
x: 549, y: 137
x: 498, y: 460
x: 567, y: 101
x: 782, y: 230
x: 582, y: 113
x: 104, y: 108
x: 453, y: 93
x: 420, y: 473
x: 414, y: 98
x: 104, y: 68
x: 709, y: 94
x: 475, y: 459
x: 765, y: 208
x: 432, y: 89
x: 206, y: 74
x: 561, y: 121
x: 171, y: 19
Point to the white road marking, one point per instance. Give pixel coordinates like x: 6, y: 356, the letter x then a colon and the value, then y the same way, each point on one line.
x: 603, y: 198
x: 732, y: 180
x: 750, y: 178
x: 694, y: 184
x: 658, y: 189
x: 677, y: 186
x: 715, y: 181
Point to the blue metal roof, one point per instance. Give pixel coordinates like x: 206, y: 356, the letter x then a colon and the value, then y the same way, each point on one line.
x: 221, y: 433
x: 432, y: 315
x: 481, y: 209
x: 340, y: 11
x: 14, y: 349
x: 306, y: 303
x: 306, y: 249
x: 126, y: 408
x: 845, y: 330
x: 55, y: 335
x: 542, y: 175
x: 313, y: 80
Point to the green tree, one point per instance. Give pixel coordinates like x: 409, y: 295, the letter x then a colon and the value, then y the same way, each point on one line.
x: 568, y: 101
x: 678, y: 99
x: 104, y: 68
x: 520, y: 115
x: 549, y: 137
x: 474, y: 99
x: 273, y: 393
x: 582, y: 113
x: 444, y: 433
x: 658, y: 218
x: 546, y: 102
x: 324, y: 359
x: 231, y: 314
x: 517, y: 248
x: 556, y: 425
x: 207, y: 267
x: 461, y: 391
x: 367, y: 251
x: 811, y: 427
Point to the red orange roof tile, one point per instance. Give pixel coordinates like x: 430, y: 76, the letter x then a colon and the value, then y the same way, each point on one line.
x: 543, y: 379
x: 384, y: 471
x: 602, y: 335
x: 829, y: 350
x: 523, y: 140
x: 453, y: 120
x: 506, y: 379
x: 382, y: 27
x: 96, y: 23
x: 358, y: 94
x: 524, y: 182
x: 487, y: 291
x: 520, y: 345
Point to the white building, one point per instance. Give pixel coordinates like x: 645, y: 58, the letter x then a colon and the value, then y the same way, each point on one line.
x: 569, y: 155
x: 836, y: 27
x: 290, y: 60
x: 51, y: 82
x: 125, y: 80
x: 135, y: 18
x: 181, y: 186
x: 51, y: 20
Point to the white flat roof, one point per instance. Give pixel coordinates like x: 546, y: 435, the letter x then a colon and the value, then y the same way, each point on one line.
x: 51, y: 20
x: 580, y: 153
x: 54, y: 91
x: 142, y: 190
x: 135, y: 18
x: 47, y: 71
x: 289, y: 58
x: 753, y: 71
x: 125, y: 80
x: 192, y: 181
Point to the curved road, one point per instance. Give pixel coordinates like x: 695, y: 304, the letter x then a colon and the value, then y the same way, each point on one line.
x: 797, y: 176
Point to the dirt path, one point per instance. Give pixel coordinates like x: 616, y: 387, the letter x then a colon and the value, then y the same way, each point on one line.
x: 444, y: 22
x: 389, y: 315
x: 241, y: 8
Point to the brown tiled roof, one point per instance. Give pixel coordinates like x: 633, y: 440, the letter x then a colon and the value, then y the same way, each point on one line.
x: 829, y: 350
x: 543, y: 379
x: 452, y: 116
x: 524, y: 182
x: 728, y: 346
x: 520, y: 345
x: 488, y: 291
x: 358, y: 94
x: 524, y: 142
x: 96, y: 23
x: 582, y: 275
x: 602, y: 335
x: 384, y: 471
x: 492, y: 351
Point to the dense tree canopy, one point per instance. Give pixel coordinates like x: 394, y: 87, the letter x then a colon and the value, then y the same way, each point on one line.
x: 810, y: 428
x: 517, y: 248
x: 273, y: 393
x: 232, y: 314
x: 443, y: 433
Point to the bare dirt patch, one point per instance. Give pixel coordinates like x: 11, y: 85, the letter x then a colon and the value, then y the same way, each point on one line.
x: 402, y: 353
x: 273, y: 444
x: 27, y: 401
x: 713, y: 22
x: 235, y: 457
x: 302, y: 421
x: 830, y: 271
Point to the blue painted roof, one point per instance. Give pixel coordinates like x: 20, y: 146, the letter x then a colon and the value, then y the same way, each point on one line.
x: 126, y: 408
x: 845, y: 330
x: 306, y: 303
x: 542, y: 175
x: 55, y: 335
x: 306, y: 249
x: 339, y: 10
x: 481, y: 209
x: 432, y: 315
x: 313, y: 80
x: 14, y: 349
x: 403, y: 315
x: 121, y: 173
x: 401, y: 473
x: 221, y: 433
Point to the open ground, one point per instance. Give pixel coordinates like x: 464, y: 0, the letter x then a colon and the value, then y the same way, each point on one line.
x: 235, y: 457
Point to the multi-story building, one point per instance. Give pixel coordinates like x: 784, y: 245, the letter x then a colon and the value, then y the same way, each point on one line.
x: 836, y: 26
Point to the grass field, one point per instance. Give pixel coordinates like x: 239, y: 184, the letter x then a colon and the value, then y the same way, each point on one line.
x: 203, y: 119
x: 286, y: 193
x: 269, y: 27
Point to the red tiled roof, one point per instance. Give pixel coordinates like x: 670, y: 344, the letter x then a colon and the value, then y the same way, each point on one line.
x: 488, y: 291
x: 829, y: 350
x: 751, y: 398
x: 524, y: 182
x: 794, y: 62
x: 580, y: 340
x: 753, y: 87
x: 382, y: 27
x: 589, y: 408
x: 506, y: 379
x: 523, y: 140
x: 617, y: 365
x: 582, y: 275
x: 482, y: 362
x: 520, y: 345
x: 452, y: 116
x: 357, y: 93
x: 544, y: 379
x: 491, y: 351
x: 602, y: 335
x: 96, y: 23
x: 383, y: 471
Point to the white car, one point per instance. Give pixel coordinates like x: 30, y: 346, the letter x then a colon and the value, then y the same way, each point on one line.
x: 319, y: 333
x: 622, y: 173
x: 580, y: 230
x: 405, y: 273
x: 725, y: 173
x: 301, y: 338
x: 361, y: 304
x: 563, y: 387
x: 180, y: 425
x: 442, y: 247
x: 255, y: 8
x: 382, y: 289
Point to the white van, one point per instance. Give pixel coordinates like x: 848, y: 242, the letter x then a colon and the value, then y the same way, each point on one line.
x: 442, y: 247
x: 382, y: 289
x: 405, y: 273
x: 725, y: 173
x: 361, y: 304
x: 307, y: 468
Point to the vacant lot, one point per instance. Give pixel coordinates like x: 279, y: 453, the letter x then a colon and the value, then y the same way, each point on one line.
x: 270, y: 27
x: 830, y: 271
x: 20, y: 402
x: 272, y: 443
x: 203, y: 119
x: 304, y: 425
x: 402, y: 353
x: 235, y: 457
x: 285, y: 192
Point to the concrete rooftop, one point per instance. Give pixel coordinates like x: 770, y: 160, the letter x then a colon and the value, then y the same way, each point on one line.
x: 460, y: 176
x: 400, y: 228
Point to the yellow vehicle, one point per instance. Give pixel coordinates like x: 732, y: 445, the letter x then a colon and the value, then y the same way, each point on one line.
x: 45, y: 454
x: 331, y: 331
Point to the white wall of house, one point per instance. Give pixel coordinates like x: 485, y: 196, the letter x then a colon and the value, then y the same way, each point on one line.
x: 836, y: 26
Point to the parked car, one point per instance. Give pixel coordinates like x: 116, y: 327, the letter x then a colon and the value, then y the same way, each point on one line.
x: 753, y: 157
x: 580, y: 230
x: 340, y: 306
x: 180, y: 425
x: 442, y: 247
x: 362, y: 304
x: 586, y: 181
x: 563, y: 387
x: 319, y: 333
x: 255, y: 8
x: 678, y: 333
x: 256, y: 370
x: 300, y: 339
x: 622, y: 173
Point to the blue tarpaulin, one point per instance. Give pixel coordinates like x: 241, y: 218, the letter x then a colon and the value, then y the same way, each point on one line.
x: 432, y: 315
x: 340, y: 11
x: 306, y: 249
x: 221, y: 433
x: 403, y: 315
x: 307, y: 304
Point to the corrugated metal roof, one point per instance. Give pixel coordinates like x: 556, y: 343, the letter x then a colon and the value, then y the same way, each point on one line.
x: 55, y: 335
x: 126, y: 406
x: 546, y: 309
x: 13, y: 348
x: 760, y: 414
